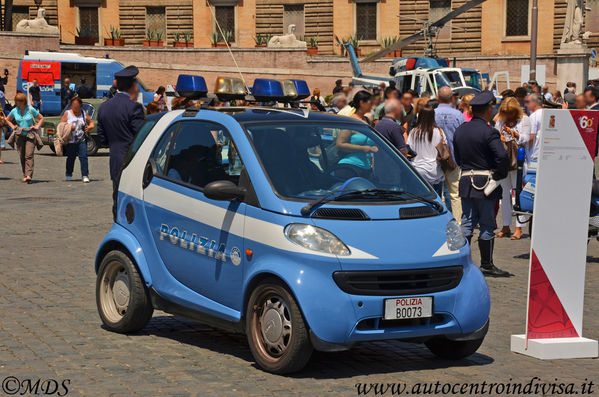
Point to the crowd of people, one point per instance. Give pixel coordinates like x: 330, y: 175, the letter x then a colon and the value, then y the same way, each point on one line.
x: 419, y: 126
x: 422, y: 128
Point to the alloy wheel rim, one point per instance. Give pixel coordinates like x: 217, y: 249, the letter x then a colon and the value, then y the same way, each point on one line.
x: 274, y: 326
x: 115, y: 292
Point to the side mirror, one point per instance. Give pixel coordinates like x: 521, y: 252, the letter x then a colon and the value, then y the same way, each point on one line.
x: 224, y: 191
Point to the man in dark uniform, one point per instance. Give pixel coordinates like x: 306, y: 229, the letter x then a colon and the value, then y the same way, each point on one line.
x: 483, y: 159
x: 119, y: 120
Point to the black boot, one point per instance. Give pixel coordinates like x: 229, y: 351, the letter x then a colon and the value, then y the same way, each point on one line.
x: 486, y: 260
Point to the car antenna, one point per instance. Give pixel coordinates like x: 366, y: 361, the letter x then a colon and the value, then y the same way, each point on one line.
x: 212, y: 7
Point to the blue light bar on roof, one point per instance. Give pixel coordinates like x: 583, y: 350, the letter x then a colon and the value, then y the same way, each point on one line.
x: 192, y: 87
x: 302, y: 89
x: 265, y: 90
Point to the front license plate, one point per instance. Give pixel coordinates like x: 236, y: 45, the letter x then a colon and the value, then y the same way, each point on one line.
x: 413, y: 307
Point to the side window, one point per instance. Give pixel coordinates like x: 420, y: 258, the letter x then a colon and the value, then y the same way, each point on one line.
x: 203, y: 152
x: 162, y: 149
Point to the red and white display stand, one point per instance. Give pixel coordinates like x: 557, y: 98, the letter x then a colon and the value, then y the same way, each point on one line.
x: 559, y: 239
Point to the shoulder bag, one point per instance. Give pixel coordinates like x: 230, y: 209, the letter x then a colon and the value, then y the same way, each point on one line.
x: 444, y: 156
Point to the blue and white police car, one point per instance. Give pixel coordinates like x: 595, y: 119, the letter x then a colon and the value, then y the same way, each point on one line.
x: 286, y: 225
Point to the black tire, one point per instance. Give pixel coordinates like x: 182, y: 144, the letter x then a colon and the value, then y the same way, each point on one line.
x: 451, y: 349
x: 132, y: 309
x: 92, y: 146
x: 297, y: 346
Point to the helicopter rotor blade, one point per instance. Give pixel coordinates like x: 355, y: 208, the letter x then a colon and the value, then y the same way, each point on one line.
x: 414, y: 38
x: 394, y: 47
x: 457, y: 12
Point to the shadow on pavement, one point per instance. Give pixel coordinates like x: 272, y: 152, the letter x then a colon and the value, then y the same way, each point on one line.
x: 363, y: 359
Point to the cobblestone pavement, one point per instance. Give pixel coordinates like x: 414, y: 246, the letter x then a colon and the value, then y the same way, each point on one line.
x: 49, y: 327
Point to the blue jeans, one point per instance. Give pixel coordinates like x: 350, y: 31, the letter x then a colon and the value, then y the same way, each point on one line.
x: 37, y: 105
x: 478, y: 212
x: 73, y: 150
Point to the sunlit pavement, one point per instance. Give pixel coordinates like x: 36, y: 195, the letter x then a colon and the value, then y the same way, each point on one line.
x: 49, y: 327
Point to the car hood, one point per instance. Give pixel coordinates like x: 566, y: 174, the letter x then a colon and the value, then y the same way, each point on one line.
x: 395, y: 244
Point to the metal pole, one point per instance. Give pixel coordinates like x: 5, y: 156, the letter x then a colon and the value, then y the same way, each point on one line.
x: 533, y: 39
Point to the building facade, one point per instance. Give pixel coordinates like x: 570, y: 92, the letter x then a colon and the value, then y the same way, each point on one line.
x: 497, y: 27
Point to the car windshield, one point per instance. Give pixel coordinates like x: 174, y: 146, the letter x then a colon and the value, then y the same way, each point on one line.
x: 449, y: 79
x: 472, y: 79
x: 309, y: 160
x: 87, y: 108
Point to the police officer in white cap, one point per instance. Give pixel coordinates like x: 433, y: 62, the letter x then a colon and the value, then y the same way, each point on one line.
x: 484, y: 162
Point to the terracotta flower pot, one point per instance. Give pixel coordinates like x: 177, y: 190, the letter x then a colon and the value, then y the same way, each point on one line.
x: 213, y: 45
x: 179, y: 44
x: 147, y: 43
x: 221, y: 45
x: 109, y: 42
x: 260, y: 45
x: 190, y: 44
x: 119, y: 42
x: 312, y: 50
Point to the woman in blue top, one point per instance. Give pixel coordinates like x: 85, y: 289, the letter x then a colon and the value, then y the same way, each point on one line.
x: 358, y: 148
x: 25, y: 121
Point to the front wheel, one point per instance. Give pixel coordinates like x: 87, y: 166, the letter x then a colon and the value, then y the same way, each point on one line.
x: 452, y: 349
x: 275, y: 328
x: 123, y: 301
x: 92, y: 146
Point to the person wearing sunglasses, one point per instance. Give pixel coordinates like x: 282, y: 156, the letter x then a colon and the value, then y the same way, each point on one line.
x: 25, y: 121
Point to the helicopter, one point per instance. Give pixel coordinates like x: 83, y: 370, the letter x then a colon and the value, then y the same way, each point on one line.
x: 424, y: 74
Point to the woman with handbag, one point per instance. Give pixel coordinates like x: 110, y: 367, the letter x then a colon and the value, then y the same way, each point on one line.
x: 81, y: 124
x: 514, y: 127
x: 25, y: 121
x: 424, y: 139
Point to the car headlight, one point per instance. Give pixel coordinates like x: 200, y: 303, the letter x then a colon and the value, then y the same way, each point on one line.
x: 316, y: 239
x: 455, y: 236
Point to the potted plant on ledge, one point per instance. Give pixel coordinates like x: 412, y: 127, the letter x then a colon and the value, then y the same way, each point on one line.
x: 85, y: 36
x: 149, y: 38
x: 389, y: 41
x: 188, y: 40
x: 312, y: 46
x: 179, y: 41
x: 355, y: 42
x: 158, y: 42
x: 115, y: 39
x: 261, y: 40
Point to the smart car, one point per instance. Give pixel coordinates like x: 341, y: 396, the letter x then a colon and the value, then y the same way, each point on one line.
x: 303, y: 230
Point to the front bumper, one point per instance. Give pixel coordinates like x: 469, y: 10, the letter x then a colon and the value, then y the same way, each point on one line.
x: 458, y: 313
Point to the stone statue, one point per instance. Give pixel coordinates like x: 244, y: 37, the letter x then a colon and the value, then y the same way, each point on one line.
x: 573, y: 23
x: 287, y: 40
x: 37, y: 25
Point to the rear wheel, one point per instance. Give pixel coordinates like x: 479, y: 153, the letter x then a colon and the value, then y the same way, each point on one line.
x: 276, y: 331
x: 123, y: 301
x: 92, y: 146
x: 452, y: 349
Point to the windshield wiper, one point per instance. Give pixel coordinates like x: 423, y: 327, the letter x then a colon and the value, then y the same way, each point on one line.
x: 307, y: 210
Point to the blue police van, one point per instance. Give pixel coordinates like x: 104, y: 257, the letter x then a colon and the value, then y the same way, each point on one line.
x: 51, y: 68
x: 279, y: 223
